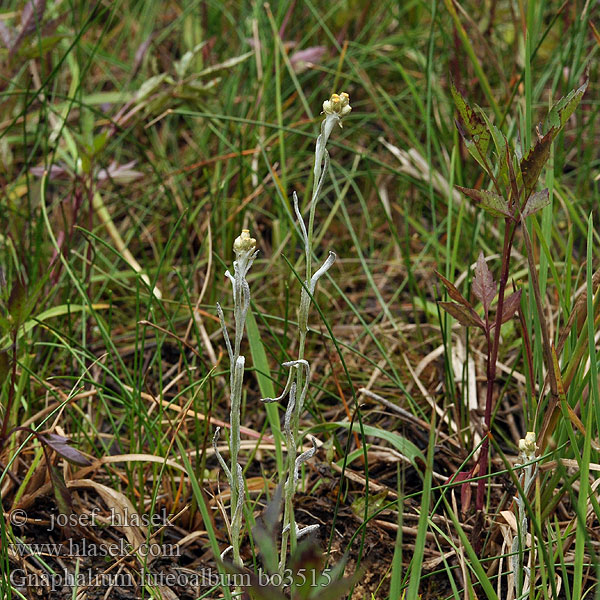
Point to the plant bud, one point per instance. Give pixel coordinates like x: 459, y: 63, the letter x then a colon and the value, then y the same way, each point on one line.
x: 244, y: 244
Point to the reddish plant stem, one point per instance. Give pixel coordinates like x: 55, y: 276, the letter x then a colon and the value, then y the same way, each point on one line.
x: 492, y: 358
x: 11, y: 389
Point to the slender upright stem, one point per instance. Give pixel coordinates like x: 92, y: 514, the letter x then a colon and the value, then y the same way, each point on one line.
x: 245, y: 251
x: 11, y: 389
x: 509, y: 232
x: 334, y: 108
x: 535, y: 282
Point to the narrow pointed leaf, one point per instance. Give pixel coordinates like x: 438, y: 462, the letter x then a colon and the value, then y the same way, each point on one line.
x: 484, y: 286
x: 500, y: 144
x: 536, y: 158
x: 149, y: 87
x: 510, y: 306
x: 489, y: 201
x: 17, y: 301
x: 534, y: 161
x: 465, y: 488
x: 466, y: 493
x: 559, y: 114
x: 474, y: 151
x: 61, y: 445
x: 266, y: 529
x: 182, y: 65
x: 464, y: 315
x: 472, y: 122
x: 536, y: 202
x: 61, y: 493
x: 453, y: 291
x: 553, y: 412
x: 472, y: 125
x: 496, y: 135
x: 515, y: 186
x: 230, y: 62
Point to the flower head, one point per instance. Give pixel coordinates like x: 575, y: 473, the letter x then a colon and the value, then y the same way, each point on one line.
x: 527, y: 446
x: 245, y: 250
x: 244, y: 244
x: 338, y: 105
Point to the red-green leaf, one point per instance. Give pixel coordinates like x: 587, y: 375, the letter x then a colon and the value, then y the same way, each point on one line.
x: 512, y: 178
x: 463, y: 314
x: 465, y: 488
x: 536, y: 158
x: 61, y: 445
x: 484, y: 286
x: 510, y: 306
x: 533, y: 162
x: 473, y: 125
x: 501, y: 145
x: 559, y: 114
x: 61, y: 493
x: 453, y: 292
x: 536, y: 202
x: 489, y: 201
x: 17, y: 301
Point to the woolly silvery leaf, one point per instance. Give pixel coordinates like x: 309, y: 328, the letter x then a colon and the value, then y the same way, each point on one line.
x: 303, y: 458
x: 219, y: 457
x: 320, y: 272
x: 300, y: 221
x: 224, y: 330
x: 292, y: 364
x: 301, y: 532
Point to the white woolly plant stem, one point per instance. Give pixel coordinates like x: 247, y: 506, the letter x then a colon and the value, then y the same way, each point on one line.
x: 244, y: 248
x: 527, y: 455
x: 293, y: 474
x: 320, y: 170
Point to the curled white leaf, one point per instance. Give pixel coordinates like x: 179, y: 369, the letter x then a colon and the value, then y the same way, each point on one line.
x: 224, y: 330
x: 300, y: 221
x: 305, y: 456
x: 301, y: 532
x: 226, y: 551
x: 304, y: 364
x: 291, y: 364
x: 219, y: 457
x: 321, y: 271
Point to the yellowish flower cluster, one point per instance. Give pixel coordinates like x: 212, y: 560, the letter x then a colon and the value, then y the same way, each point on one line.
x: 338, y: 104
x: 528, y: 446
x: 244, y: 243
